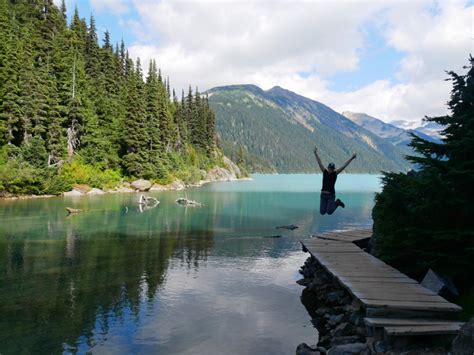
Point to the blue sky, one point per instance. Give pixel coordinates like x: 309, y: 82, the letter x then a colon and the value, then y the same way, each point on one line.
x: 385, y: 58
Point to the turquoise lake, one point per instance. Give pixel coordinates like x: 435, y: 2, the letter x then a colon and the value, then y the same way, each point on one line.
x: 168, y: 280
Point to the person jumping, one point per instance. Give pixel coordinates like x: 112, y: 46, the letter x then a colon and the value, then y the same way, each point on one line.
x: 328, y: 202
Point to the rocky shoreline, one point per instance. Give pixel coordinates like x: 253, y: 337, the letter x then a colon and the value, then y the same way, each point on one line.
x: 216, y: 174
x: 339, y: 319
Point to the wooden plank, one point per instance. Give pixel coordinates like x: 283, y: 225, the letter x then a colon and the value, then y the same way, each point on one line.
x: 373, y: 281
x: 382, y: 322
x: 399, y: 296
x: 432, y: 306
x: 442, y: 329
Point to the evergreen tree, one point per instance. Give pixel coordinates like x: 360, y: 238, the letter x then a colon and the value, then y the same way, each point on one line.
x: 65, y: 100
x: 427, y: 215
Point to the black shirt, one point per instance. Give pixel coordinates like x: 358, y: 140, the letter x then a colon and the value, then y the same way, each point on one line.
x: 329, y: 180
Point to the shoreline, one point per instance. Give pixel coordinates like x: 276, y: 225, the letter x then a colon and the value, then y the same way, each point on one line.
x: 176, y: 185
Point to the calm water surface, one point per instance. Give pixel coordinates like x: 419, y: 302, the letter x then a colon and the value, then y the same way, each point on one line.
x: 169, y: 280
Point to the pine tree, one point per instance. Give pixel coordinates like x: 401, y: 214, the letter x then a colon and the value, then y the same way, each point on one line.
x: 135, y: 134
x: 427, y: 214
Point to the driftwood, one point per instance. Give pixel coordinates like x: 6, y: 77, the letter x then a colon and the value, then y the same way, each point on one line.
x: 289, y: 227
x: 183, y: 201
x: 146, y: 203
x: 73, y: 210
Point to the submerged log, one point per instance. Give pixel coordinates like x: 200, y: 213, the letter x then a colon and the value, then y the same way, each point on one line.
x: 146, y: 200
x: 71, y: 210
x: 187, y: 202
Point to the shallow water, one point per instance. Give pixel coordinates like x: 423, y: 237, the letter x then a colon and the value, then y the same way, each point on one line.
x: 169, y: 280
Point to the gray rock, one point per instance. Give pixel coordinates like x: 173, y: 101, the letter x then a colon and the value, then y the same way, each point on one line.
x: 125, y: 189
x: 349, y: 349
x: 335, y: 319
x: 220, y: 174
x: 157, y: 187
x: 141, y: 185
x: 305, y: 349
x: 343, y: 329
x: 344, y: 340
x: 380, y: 347
x: 175, y: 185
x: 304, y: 282
x: 96, y: 191
x: 234, y: 169
x: 73, y: 193
x: 440, y: 285
x: 335, y: 296
x: 463, y: 344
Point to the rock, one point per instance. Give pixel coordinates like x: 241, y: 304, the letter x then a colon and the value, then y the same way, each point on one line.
x: 343, y: 329
x: 335, y: 319
x: 440, y: 285
x: 72, y: 193
x: 158, y: 187
x: 220, y: 174
x: 96, y: 191
x: 234, y: 169
x: 304, y: 282
x: 289, y: 227
x: 380, y: 347
x: 176, y: 185
x: 124, y: 189
x: 463, y: 343
x: 349, y: 349
x: 82, y: 188
x: 335, y: 296
x: 141, y: 185
x: 344, y: 340
x: 71, y: 210
x: 305, y: 349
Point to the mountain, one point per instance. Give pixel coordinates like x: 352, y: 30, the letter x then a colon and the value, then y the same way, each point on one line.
x: 431, y: 129
x: 276, y: 130
x: 395, y: 135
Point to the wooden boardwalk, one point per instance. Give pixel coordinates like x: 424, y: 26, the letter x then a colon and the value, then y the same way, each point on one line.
x: 392, y: 301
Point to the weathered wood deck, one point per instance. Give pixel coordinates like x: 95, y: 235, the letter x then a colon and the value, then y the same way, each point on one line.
x: 393, y: 302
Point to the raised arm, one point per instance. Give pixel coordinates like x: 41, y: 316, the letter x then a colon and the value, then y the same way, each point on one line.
x: 347, y: 163
x: 318, y: 159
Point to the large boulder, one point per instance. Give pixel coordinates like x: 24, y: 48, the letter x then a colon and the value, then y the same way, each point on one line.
x: 463, y: 344
x: 234, y: 169
x: 95, y: 191
x: 141, y: 185
x: 72, y: 193
x: 158, y: 187
x: 175, y: 185
x: 440, y: 285
x: 220, y: 174
x: 82, y: 188
x: 305, y: 349
x: 349, y: 349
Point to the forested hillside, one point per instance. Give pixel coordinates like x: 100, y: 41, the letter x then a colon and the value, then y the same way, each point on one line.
x: 73, y: 110
x: 276, y: 130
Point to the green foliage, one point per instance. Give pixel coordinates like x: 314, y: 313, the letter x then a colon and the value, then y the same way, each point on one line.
x: 73, y: 111
x: 424, y: 219
x: 77, y: 172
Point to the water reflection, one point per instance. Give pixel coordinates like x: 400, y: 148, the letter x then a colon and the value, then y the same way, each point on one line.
x: 169, y: 280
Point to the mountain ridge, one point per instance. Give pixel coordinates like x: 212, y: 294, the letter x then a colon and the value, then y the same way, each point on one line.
x: 280, y: 128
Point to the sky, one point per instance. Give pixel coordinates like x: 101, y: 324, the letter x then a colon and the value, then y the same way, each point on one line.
x: 384, y: 58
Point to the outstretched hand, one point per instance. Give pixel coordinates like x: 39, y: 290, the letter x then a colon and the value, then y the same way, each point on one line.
x: 354, y: 156
x: 315, y: 150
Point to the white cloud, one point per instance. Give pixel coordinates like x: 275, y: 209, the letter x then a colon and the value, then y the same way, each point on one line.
x: 115, y: 6
x: 229, y: 42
